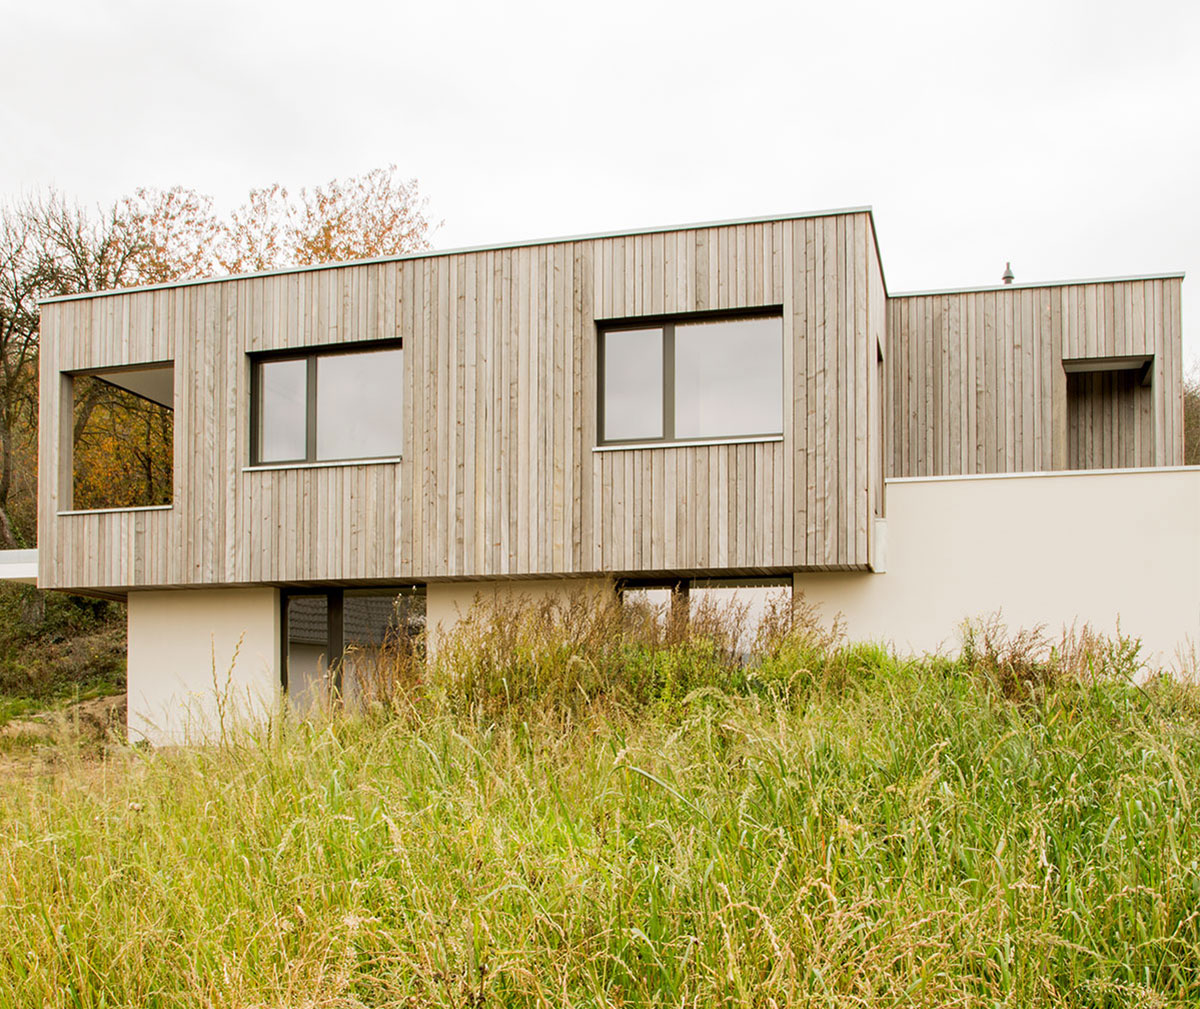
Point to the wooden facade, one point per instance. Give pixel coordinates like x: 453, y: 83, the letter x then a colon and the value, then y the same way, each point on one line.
x: 977, y: 381
x: 500, y: 474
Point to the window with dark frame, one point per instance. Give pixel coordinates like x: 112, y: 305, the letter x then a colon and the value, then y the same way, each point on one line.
x: 332, y: 639
x: 691, y: 379
x: 328, y: 405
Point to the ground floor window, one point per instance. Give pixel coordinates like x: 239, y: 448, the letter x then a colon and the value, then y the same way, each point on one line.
x: 731, y: 609
x: 348, y: 643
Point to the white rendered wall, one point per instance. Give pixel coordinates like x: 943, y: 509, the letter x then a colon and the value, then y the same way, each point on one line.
x: 1047, y: 549
x: 446, y: 602
x: 181, y: 661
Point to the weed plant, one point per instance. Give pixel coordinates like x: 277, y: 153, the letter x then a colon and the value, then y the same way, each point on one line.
x: 574, y: 804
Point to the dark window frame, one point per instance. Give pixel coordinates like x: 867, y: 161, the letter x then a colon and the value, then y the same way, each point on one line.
x: 309, y: 355
x: 335, y: 621
x: 667, y: 324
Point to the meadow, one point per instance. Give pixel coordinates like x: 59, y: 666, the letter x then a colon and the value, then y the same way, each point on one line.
x: 585, y: 805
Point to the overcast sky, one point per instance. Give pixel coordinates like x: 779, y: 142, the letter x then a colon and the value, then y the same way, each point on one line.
x: 1063, y: 136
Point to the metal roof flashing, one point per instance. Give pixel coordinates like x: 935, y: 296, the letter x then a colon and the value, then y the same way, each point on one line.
x: 490, y: 247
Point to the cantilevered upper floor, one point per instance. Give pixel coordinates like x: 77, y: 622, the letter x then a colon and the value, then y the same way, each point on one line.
x: 714, y: 399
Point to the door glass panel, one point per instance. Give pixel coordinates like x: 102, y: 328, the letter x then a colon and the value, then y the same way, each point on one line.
x: 307, y: 651
x: 379, y: 629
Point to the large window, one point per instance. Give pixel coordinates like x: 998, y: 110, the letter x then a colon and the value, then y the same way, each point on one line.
x: 692, y: 380
x: 120, y: 446
x: 327, y: 406
x: 347, y: 643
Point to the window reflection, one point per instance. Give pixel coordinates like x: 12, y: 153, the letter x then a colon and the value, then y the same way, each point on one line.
x: 359, y: 404
x: 723, y: 378
x: 355, y: 406
x: 307, y: 651
x: 728, y: 378
x: 283, y: 390
x: 633, y: 389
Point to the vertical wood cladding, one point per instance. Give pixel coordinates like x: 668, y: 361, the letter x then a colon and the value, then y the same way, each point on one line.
x: 499, y: 476
x: 1110, y: 420
x: 976, y: 381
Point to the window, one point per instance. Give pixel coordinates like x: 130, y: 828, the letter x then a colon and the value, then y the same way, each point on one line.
x: 328, y: 406
x: 692, y: 380
x: 120, y: 445
x: 345, y: 643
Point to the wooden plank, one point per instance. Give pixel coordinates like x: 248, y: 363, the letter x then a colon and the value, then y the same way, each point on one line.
x: 499, y: 474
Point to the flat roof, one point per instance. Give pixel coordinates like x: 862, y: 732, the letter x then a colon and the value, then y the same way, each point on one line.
x: 491, y: 247
x: 1177, y: 274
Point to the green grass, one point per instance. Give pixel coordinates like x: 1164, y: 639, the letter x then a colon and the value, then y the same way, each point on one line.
x: 821, y: 826
x: 57, y: 649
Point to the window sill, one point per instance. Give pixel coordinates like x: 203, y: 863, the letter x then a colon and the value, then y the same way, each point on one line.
x: 112, y: 511
x: 390, y: 460
x: 703, y: 443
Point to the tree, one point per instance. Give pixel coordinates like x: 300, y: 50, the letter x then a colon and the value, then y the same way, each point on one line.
x: 123, y: 454
x: 1191, y: 417
x: 21, y: 281
x: 51, y: 246
x: 364, y: 217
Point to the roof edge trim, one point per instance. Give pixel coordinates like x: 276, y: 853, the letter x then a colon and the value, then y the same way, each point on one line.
x: 1170, y: 275
x: 490, y: 247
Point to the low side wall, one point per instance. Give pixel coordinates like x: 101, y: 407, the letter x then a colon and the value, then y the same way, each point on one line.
x: 446, y: 602
x: 182, y: 645
x: 19, y: 566
x: 1049, y: 549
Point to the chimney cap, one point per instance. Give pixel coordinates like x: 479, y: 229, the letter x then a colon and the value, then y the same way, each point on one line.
x: 1008, y: 276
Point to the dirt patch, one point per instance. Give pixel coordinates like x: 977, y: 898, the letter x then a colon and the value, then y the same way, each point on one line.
x: 39, y: 743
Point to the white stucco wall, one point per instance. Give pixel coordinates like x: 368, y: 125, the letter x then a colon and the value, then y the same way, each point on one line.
x: 181, y: 660
x: 445, y: 602
x: 1047, y: 549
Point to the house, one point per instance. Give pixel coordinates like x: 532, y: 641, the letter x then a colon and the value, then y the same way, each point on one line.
x: 739, y: 400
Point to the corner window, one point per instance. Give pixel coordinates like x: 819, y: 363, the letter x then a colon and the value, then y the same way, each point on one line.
x: 326, y: 406
x: 121, y: 442
x: 691, y: 380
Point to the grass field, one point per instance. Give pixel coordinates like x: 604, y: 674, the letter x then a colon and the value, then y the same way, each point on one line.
x: 578, y: 809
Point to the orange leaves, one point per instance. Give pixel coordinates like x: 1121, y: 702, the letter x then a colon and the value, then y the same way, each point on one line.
x: 178, y: 234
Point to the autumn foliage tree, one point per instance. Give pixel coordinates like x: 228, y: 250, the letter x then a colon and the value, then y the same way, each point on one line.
x: 51, y: 246
x: 1191, y: 417
x: 124, y: 448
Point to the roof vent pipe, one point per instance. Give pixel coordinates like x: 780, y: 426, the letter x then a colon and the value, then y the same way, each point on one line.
x: 1008, y: 274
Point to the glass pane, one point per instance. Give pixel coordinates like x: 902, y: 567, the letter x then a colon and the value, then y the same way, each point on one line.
x: 632, y: 384
x: 729, y: 378
x: 307, y: 651
x: 380, y: 631
x: 283, y: 387
x: 367, y: 619
x: 359, y: 404
x: 124, y: 443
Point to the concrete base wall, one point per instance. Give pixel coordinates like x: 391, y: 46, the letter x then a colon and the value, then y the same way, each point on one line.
x: 446, y: 602
x: 1050, y: 549
x: 182, y: 646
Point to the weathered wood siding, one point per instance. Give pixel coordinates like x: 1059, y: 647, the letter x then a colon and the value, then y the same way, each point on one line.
x: 499, y: 476
x: 1110, y: 420
x: 976, y: 381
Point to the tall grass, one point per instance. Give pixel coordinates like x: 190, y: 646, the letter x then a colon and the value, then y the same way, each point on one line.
x: 581, y: 807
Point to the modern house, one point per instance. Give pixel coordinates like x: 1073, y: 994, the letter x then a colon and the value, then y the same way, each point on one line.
x: 740, y: 400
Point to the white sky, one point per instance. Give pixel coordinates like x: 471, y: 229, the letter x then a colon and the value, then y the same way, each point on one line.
x: 1064, y: 136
